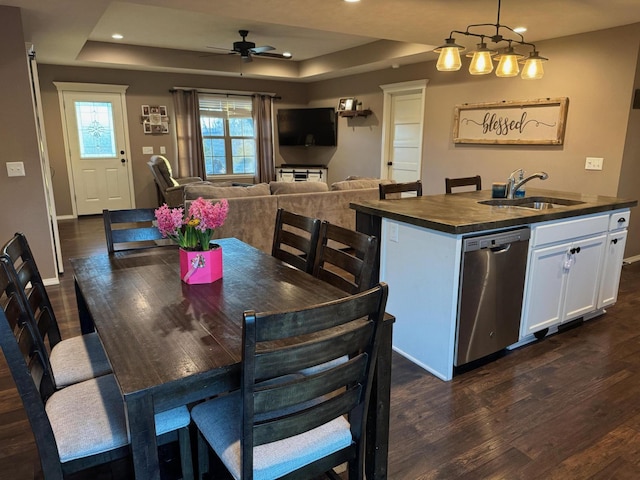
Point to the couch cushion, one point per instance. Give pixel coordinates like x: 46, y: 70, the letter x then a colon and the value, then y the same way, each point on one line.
x: 210, y: 190
x: 286, y: 188
x: 359, y: 183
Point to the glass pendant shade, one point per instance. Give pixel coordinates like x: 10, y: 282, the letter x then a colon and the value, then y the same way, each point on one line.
x: 449, y: 60
x: 532, y: 69
x: 508, y: 65
x: 481, y: 63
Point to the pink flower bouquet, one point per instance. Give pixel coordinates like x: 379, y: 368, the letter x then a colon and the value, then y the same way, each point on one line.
x: 195, y: 231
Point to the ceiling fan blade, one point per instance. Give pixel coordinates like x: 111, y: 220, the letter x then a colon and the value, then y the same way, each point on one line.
x: 264, y: 48
x: 273, y: 55
x: 246, y: 58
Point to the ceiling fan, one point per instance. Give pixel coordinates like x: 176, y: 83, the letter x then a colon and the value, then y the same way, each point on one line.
x: 248, y: 49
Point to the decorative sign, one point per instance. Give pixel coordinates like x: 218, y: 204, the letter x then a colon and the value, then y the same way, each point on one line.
x: 533, y: 122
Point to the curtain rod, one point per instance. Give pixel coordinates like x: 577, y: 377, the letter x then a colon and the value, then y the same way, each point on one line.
x: 239, y: 93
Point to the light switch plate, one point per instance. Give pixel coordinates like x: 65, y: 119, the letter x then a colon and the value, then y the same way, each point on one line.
x: 393, y: 232
x: 15, y: 169
x: 593, y: 163
x: 147, y: 150
x: 163, y: 150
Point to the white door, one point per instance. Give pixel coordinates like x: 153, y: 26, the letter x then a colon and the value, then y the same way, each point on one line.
x: 402, y: 131
x: 97, y: 149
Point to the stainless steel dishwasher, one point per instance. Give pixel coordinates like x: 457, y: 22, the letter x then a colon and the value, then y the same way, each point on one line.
x: 490, y: 297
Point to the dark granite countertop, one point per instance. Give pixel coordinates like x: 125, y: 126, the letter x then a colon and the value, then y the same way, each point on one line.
x: 461, y: 213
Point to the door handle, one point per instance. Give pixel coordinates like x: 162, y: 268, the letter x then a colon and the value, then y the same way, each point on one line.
x: 123, y: 160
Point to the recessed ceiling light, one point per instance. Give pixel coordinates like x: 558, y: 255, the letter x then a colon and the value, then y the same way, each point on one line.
x: 352, y: 1
x: 520, y: 29
x: 117, y: 36
x: 286, y: 54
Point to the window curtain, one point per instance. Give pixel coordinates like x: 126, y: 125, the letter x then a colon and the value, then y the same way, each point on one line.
x: 262, y: 116
x: 190, y: 152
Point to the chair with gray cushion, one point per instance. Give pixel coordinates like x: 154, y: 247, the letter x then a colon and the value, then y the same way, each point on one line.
x: 72, y: 360
x: 295, y: 239
x: 170, y: 188
x: 134, y: 228
x: 84, y: 424
x: 345, y: 258
x: 284, y: 425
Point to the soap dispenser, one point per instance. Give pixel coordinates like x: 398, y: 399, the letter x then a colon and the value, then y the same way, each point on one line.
x: 520, y: 192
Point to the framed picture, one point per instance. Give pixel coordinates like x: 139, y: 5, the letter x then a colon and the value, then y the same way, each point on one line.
x: 145, y: 110
x: 532, y: 122
x: 146, y: 127
x: 346, y: 104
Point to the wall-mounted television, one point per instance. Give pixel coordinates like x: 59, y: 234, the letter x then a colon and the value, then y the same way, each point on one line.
x: 307, y: 127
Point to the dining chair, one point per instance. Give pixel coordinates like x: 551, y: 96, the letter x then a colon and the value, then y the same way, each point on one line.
x: 134, y: 228
x: 84, y: 424
x: 450, y: 183
x: 388, y: 188
x: 345, y: 258
x: 295, y: 239
x: 284, y: 425
x: 72, y: 360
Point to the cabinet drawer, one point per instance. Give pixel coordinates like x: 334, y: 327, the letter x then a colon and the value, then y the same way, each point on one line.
x: 619, y: 220
x: 569, y: 229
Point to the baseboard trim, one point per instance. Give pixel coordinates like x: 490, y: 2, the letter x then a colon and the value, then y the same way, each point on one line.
x: 66, y: 217
x: 633, y: 259
x: 51, y: 281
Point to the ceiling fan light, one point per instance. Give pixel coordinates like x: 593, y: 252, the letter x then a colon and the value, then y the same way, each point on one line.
x: 449, y: 59
x: 532, y: 69
x: 287, y: 54
x: 481, y: 63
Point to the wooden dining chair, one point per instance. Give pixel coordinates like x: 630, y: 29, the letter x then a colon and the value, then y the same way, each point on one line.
x: 73, y: 359
x: 450, y: 183
x: 345, y: 258
x: 84, y: 424
x: 388, y: 188
x: 134, y: 228
x: 284, y: 425
x: 295, y: 239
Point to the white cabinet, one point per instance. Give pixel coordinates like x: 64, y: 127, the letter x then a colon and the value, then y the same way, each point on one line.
x: 613, y: 255
x: 563, y: 276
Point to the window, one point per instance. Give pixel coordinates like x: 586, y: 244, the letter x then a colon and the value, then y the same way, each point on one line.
x: 227, y: 135
x: 95, y: 130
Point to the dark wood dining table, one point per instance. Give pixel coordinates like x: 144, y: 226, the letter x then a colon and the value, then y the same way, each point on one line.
x: 171, y: 344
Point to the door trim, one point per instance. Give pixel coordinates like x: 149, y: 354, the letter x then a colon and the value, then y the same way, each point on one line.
x: 63, y: 87
x: 416, y: 86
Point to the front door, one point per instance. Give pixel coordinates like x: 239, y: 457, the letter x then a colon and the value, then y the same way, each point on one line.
x: 100, y: 173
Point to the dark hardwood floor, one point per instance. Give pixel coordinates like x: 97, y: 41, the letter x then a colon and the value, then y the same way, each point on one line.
x: 566, y: 407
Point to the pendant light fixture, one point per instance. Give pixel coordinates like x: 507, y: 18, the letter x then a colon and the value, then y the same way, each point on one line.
x: 482, y: 57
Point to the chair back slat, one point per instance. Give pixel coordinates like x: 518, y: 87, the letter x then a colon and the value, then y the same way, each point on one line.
x: 450, y: 183
x: 279, y: 402
x: 295, y: 239
x: 389, y: 188
x: 345, y: 258
x: 133, y: 228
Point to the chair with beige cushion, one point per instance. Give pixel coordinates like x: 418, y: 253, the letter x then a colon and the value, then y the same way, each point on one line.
x: 169, y: 187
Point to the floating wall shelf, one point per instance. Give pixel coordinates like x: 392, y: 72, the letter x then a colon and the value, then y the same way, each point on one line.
x: 355, y: 113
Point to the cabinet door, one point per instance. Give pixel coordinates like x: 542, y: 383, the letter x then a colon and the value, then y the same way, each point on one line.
x: 613, y: 255
x: 583, y: 282
x: 545, y: 287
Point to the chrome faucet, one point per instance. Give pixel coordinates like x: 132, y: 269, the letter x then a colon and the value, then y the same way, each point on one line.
x: 513, y: 186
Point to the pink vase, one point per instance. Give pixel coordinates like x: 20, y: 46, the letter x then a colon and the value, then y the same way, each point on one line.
x: 201, y: 267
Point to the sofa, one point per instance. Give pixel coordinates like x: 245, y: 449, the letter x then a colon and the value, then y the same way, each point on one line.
x: 252, y: 209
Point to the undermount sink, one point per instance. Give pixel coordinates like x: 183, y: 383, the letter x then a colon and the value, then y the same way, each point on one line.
x: 536, y: 203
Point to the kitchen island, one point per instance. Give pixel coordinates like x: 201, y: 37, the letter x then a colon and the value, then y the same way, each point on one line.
x: 573, y: 262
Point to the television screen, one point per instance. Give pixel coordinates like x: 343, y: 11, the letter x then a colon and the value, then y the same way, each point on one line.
x: 307, y: 126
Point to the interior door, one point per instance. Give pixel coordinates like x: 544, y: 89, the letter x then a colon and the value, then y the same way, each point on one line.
x: 100, y: 169
x: 406, y: 137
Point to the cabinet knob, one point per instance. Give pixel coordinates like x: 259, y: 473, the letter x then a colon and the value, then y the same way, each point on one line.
x: 622, y: 220
x: 614, y: 241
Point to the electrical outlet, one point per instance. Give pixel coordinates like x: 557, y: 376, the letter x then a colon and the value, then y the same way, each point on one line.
x: 15, y: 169
x: 593, y: 163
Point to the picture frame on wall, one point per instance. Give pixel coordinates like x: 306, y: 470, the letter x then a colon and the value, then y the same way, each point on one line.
x: 348, y: 103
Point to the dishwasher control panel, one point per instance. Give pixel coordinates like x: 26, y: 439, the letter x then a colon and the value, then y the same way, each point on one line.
x: 495, y: 240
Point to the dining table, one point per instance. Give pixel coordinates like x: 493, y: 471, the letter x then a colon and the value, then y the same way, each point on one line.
x: 172, y: 344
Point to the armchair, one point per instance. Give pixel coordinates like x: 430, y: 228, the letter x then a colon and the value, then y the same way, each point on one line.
x: 170, y: 188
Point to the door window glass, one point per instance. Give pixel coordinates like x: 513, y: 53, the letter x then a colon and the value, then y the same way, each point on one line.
x: 95, y: 130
